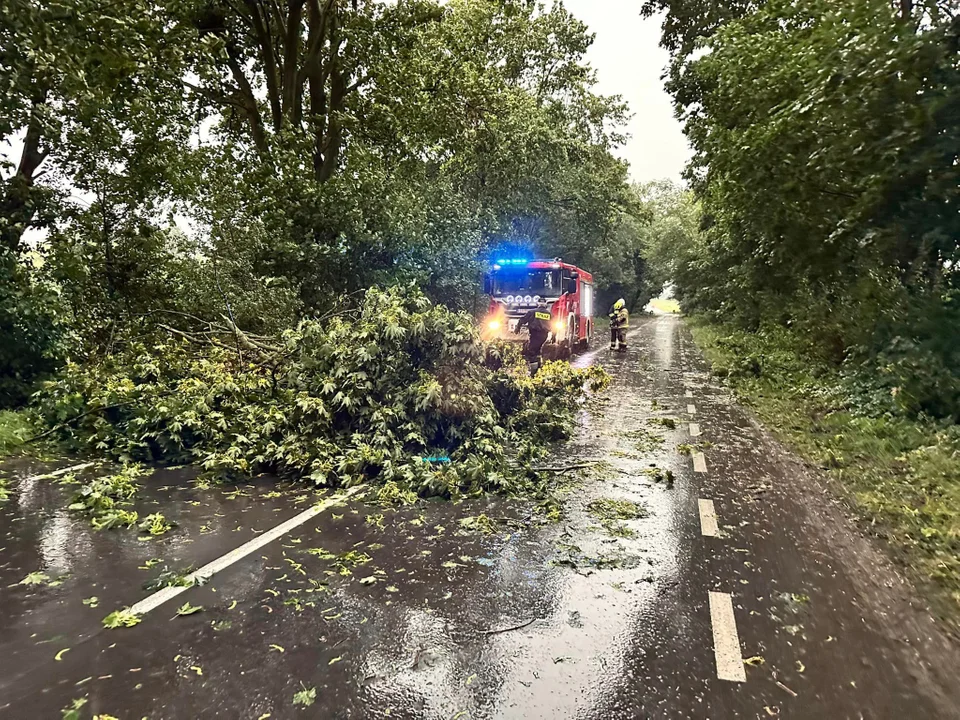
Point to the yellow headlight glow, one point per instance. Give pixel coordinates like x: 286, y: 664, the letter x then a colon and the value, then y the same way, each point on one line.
x: 494, y: 324
x: 558, y: 326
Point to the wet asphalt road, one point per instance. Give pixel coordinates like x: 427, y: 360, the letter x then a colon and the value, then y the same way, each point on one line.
x: 406, y: 614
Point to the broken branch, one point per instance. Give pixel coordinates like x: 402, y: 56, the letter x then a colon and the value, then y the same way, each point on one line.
x: 511, y: 629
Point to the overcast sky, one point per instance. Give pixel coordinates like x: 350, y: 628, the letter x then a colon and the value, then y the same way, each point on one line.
x: 629, y: 62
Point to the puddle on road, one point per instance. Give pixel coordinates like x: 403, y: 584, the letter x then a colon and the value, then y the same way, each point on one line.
x: 520, y: 623
x: 87, y: 574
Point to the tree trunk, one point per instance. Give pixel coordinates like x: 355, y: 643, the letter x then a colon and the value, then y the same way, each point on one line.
x: 249, y: 101
x: 17, y: 204
x: 313, y: 70
x: 334, y: 139
x: 291, y: 57
x: 261, y: 25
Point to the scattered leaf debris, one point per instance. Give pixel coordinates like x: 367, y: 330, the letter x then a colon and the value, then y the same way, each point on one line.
x: 121, y: 619
x: 188, y: 609
x: 305, y: 697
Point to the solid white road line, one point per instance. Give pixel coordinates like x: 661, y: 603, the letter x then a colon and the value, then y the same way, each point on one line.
x: 58, y: 473
x: 708, y: 519
x: 726, y: 642
x: 161, y: 596
x: 699, y: 462
x: 694, y: 430
x: 692, y: 409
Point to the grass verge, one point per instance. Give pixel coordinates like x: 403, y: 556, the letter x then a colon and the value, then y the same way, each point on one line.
x: 901, y: 475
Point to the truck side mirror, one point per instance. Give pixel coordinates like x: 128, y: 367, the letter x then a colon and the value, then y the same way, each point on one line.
x: 487, y: 285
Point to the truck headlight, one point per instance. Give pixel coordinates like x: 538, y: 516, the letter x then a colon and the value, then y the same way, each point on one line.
x: 494, y: 324
x: 557, y: 327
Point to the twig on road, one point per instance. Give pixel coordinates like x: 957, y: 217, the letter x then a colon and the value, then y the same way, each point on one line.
x: 416, y: 657
x: 565, y: 468
x: 510, y: 629
x: 784, y: 687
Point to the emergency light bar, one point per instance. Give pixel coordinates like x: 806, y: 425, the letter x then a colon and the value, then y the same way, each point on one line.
x: 514, y: 261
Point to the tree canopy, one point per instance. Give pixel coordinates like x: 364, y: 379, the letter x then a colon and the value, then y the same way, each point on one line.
x: 826, y: 159
x: 185, y: 159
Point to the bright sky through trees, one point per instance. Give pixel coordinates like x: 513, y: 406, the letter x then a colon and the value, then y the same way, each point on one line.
x: 629, y: 62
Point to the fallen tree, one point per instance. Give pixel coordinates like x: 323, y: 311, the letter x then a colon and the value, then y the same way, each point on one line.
x: 398, y: 390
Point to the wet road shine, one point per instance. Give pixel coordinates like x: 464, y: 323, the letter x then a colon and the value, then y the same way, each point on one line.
x: 740, y: 591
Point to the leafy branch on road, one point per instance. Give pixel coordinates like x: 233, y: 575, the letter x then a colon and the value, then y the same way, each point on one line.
x: 105, y: 500
x: 399, y: 393
x: 608, y: 509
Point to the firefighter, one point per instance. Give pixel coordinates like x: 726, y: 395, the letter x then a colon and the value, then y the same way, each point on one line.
x: 619, y: 322
x: 538, y: 322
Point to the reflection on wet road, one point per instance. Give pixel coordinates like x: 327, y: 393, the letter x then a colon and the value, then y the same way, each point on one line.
x: 731, y: 588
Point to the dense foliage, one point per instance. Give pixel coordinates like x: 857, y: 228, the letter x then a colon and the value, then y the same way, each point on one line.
x: 31, y: 333
x: 180, y: 160
x: 401, y: 391
x: 643, y: 253
x: 826, y: 158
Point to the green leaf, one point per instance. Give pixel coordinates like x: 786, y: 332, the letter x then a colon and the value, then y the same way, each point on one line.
x: 72, y: 711
x: 305, y: 697
x: 35, y: 578
x: 121, y: 619
x: 188, y: 609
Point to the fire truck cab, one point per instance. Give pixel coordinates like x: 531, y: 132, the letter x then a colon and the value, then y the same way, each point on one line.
x: 516, y: 285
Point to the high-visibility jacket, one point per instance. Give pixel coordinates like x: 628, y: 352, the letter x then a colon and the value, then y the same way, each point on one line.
x: 620, y: 319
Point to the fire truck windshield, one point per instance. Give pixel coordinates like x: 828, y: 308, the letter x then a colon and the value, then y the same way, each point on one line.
x: 521, y: 281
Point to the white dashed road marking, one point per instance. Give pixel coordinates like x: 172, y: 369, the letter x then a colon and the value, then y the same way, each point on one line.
x: 159, y: 598
x: 708, y: 519
x: 699, y: 462
x: 689, y: 393
x: 694, y: 430
x: 726, y: 642
x: 692, y: 409
x: 61, y: 471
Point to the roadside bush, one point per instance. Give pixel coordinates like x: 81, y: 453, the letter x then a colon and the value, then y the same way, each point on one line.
x: 907, y: 378
x: 15, y: 430
x: 30, y: 333
x: 383, y: 394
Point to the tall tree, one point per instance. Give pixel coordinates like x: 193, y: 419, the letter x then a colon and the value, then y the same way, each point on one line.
x: 475, y: 117
x: 827, y: 163
x: 65, y: 67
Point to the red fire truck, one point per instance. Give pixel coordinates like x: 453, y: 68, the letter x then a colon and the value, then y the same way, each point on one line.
x: 516, y: 285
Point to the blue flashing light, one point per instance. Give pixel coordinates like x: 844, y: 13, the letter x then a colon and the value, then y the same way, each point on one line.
x: 513, y: 261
